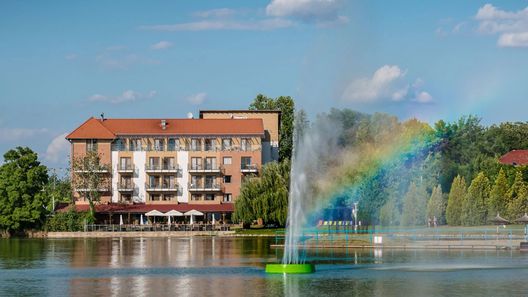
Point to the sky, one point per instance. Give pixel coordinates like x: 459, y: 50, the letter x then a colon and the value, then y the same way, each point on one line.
x: 62, y: 62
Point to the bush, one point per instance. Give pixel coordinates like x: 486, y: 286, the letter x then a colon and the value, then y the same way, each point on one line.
x: 66, y: 221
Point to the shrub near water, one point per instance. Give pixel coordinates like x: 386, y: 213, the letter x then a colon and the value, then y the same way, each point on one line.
x: 66, y: 221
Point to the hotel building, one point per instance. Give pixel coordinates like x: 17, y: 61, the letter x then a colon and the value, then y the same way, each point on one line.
x: 175, y: 164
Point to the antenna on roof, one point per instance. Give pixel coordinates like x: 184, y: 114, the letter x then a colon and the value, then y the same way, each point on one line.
x: 190, y: 115
x: 102, y: 116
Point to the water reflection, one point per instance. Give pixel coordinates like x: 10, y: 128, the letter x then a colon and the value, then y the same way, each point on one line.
x: 205, y: 266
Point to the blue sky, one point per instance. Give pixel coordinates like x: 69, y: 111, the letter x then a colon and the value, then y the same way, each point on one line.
x: 64, y: 61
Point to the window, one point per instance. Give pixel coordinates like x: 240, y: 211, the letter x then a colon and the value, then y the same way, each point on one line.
x: 91, y: 145
x: 226, y: 144
x: 210, y: 163
x: 126, y: 182
x: 155, y: 197
x: 154, y: 163
x: 196, y: 144
x: 209, y: 181
x: 245, y: 162
x: 168, y: 197
x: 168, y: 163
x: 159, y: 145
x: 227, y: 160
x: 245, y: 144
x: 125, y: 163
x: 228, y: 197
x: 154, y: 181
x: 209, y: 197
x: 227, y: 179
x: 209, y: 144
x: 126, y: 197
x: 196, y: 163
x: 196, y: 182
x: 119, y: 145
x: 173, y: 144
x: 196, y: 197
x: 135, y: 144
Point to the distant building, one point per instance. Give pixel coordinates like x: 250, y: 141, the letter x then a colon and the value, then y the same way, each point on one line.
x: 178, y: 164
x: 515, y: 158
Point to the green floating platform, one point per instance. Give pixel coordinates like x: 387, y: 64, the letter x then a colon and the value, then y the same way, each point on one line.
x: 290, y: 268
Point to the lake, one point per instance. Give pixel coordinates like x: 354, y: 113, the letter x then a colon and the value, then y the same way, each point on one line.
x: 234, y: 266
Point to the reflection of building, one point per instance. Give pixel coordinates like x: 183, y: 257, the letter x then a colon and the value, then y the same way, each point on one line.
x: 159, y: 162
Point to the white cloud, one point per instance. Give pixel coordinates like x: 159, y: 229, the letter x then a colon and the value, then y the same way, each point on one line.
x: 423, y: 97
x: 319, y: 11
x: 126, y: 96
x: 15, y: 134
x: 58, y: 149
x: 161, y: 45
x: 513, y: 40
x: 260, y: 25
x: 511, y: 26
x: 197, y: 99
x: 387, y: 83
x: 217, y: 13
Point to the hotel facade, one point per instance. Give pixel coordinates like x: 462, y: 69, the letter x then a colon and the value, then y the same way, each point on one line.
x: 175, y: 164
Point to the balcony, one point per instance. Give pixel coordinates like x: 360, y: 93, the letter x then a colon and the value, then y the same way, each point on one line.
x: 249, y: 168
x: 162, y: 187
x: 207, y: 187
x: 102, y: 189
x: 125, y: 168
x: 125, y: 187
x: 95, y: 169
x: 161, y: 168
x: 207, y: 168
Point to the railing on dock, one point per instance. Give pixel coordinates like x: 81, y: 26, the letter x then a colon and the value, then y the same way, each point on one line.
x: 156, y: 227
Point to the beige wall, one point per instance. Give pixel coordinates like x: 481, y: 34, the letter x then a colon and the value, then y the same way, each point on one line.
x: 269, y: 119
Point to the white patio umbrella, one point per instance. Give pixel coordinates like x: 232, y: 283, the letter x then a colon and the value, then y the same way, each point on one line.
x: 192, y: 213
x: 120, y: 220
x: 155, y: 213
x: 173, y: 213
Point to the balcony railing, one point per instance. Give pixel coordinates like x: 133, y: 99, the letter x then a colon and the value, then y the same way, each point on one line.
x: 127, y: 167
x: 249, y: 168
x: 205, y: 168
x: 162, y: 187
x: 205, y: 187
x: 161, y: 167
x: 97, y: 169
x: 102, y: 189
x: 125, y: 187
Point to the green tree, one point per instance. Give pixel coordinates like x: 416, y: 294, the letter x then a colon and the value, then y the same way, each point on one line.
x: 287, y: 107
x: 266, y: 196
x: 517, y: 198
x: 390, y: 214
x: 455, y: 201
x: 22, y: 202
x: 497, y: 202
x: 474, y: 209
x: 414, y: 206
x: 436, y: 207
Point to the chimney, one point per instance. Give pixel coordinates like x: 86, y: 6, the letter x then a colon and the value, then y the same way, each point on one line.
x: 102, y: 117
x: 163, y: 124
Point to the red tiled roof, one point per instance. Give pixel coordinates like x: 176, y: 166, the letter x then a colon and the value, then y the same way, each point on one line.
x: 144, y: 208
x: 110, y: 128
x: 515, y: 157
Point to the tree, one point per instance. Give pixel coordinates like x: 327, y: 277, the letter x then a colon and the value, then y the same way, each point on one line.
x: 22, y: 202
x: 414, y: 206
x: 287, y: 107
x: 88, y: 179
x: 455, y: 201
x: 474, y: 210
x: 436, y: 206
x: 497, y: 198
x: 517, y: 198
x: 266, y: 196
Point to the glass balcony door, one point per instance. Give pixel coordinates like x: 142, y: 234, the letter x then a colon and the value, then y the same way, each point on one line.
x: 196, y: 163
x: 210, y: 163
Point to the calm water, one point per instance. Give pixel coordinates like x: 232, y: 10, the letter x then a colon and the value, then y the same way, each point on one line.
x: 203, y: 266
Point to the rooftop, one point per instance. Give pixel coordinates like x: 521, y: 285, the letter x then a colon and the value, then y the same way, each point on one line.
x: 111, y: 128
x: 515, y: 157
